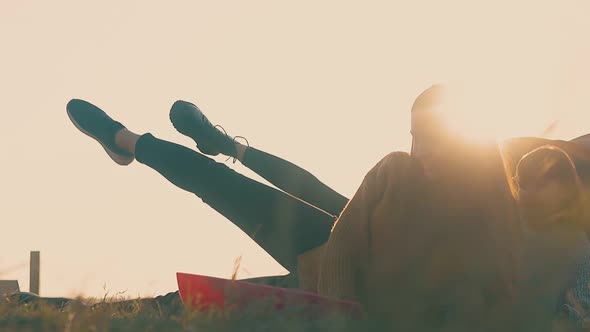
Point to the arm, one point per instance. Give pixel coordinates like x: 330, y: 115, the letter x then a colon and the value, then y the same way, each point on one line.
x: 577, y: 296
x: 360, y: 228
x: 346, y: 248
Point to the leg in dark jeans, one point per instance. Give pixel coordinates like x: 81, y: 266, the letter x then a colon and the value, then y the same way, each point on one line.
x: 189, y: 120
x: 283, y: 226
x: 294, y: 180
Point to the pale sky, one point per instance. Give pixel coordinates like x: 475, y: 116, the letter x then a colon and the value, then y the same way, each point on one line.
x: 325, y: 84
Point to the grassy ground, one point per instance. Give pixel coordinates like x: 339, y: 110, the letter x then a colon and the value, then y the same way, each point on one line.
x: 148, y: 315
x: 139, y: 315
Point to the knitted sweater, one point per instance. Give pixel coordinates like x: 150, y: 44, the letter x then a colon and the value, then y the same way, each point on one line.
x: 406, y: 264
x: 343, y: 261
x: 371, y: 213
x: 381, y: 196
x: 387, y: 178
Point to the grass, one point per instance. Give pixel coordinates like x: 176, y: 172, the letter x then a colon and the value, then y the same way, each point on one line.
x: 142, y: 315
x: 117, y: 313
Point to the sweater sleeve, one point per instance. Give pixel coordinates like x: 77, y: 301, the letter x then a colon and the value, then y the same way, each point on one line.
x: 344, y: 250
x: 347, y: 250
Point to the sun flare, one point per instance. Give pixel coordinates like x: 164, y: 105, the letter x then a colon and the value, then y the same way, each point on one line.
x: 481, y: 116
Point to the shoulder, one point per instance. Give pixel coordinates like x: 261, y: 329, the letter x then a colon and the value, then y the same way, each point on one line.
x: 398, y: 160
x: 395, y: 168
x: 396, y: 156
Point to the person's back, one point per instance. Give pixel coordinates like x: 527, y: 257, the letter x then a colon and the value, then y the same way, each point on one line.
x: 422, y: 255
x: 440, y: 250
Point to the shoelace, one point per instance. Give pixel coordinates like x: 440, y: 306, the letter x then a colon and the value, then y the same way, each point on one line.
x: 234, y: 141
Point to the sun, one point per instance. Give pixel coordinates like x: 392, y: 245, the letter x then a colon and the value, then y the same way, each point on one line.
x: 481, y: 116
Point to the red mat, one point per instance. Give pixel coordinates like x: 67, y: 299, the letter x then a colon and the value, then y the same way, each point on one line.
x: 203, y: 293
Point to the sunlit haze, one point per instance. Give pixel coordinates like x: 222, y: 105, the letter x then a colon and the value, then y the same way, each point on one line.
x: 326, y: 84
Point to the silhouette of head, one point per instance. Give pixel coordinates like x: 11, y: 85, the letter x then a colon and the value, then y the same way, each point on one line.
x: 548, y: 188
x: 430, y: 138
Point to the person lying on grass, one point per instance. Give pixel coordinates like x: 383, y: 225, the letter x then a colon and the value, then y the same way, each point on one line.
x: 428, y: 248
x: 288, y: 226
x: 430, y: 241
